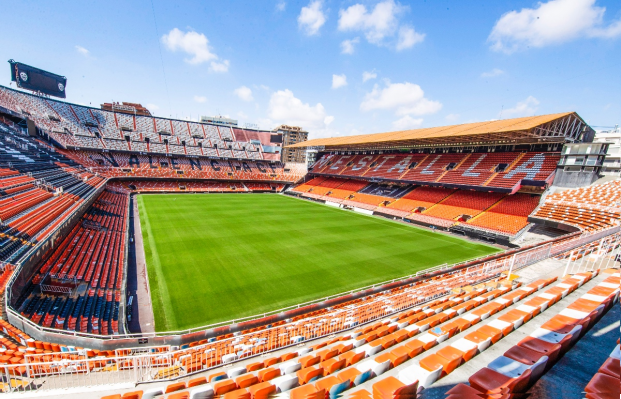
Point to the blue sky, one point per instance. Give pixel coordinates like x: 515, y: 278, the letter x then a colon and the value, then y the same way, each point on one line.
x: 334, y: 67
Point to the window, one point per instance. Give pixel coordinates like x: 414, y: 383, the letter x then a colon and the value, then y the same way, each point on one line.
x: 592, y: 161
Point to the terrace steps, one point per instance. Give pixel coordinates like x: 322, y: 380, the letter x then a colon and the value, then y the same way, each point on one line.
x: 417, y: 165
x: 488, y: 209
x: 515, y: 162
x: 464, y: 159
x: 441, y: 201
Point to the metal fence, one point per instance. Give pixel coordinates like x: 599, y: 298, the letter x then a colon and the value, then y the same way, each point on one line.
x: 591, y: 257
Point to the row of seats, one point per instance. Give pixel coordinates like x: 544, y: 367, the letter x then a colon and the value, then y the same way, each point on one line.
x: 92, y: 254
x: 18, y: 348
x: 8, y: 182
x: 607, y: 194
x: 462, y: 205
x: 5, y: 275
x: 500, y: 170
x: 192, y: 186
x: 589, y: 208
x: 134, y: 165
x: 520, y: 366
x: 11, y: 205
x: 435, y: 366
x: 510, y: 215
x: 443, y: 207
x: 382, y: 190
x: 30, y: 212
x: 189, y: 147
x: 421, y: 197
x: 86, y: 127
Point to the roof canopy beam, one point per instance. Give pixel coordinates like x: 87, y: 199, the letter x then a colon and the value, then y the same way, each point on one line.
x: 535, y: 129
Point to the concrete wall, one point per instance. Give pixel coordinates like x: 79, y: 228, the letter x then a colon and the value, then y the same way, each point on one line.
x: 553, y: 224
x: 574, y: 179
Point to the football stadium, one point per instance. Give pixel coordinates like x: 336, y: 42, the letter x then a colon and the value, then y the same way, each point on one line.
x: 146, y: 256
x: 195, y: 262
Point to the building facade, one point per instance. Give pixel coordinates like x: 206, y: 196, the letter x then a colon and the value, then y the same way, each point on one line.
x: 292, y: 135
x: 612, y: 163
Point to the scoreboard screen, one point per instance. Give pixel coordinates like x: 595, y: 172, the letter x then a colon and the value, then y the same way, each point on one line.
x: 35, y: 79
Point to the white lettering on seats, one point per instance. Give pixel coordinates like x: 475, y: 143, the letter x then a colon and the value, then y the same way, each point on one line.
x: 323, y: 161
x: 383, y: 162
x: 362, y: 162
x: 469, y: 172
x: 401, y: 165
x: 536, y: 161
x: 341, y: 160
x: 426, y: 171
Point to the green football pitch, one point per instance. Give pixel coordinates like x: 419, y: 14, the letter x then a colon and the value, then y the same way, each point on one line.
x: 217, y: 257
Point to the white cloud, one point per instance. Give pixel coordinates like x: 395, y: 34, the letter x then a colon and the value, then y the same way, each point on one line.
x: 376, y: 25
x: 312, y: 17
x: 493, y: 73
x: 452, y: 117
x: 523, y: 108
x: 284, y: 107
x: 339, y: 81
x: 379, y: 24
x: 152, y: 107
x: 553, y: 22
x: 611, y: 31
x: 347, y: 46
x: 82, y: 51
x: 408, y: 37
x: 219, y: 66
x: 244, y: 93
x: 193, y: 43
x: 368, y: 75
x: 280, y: 6
x: 196, y: 45
x: 406, y: 123
x: 405, y: 98
x: 242, y: 115
x: 200, y: 99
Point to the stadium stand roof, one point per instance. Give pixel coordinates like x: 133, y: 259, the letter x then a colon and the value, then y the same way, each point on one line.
x: 542, y: 128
